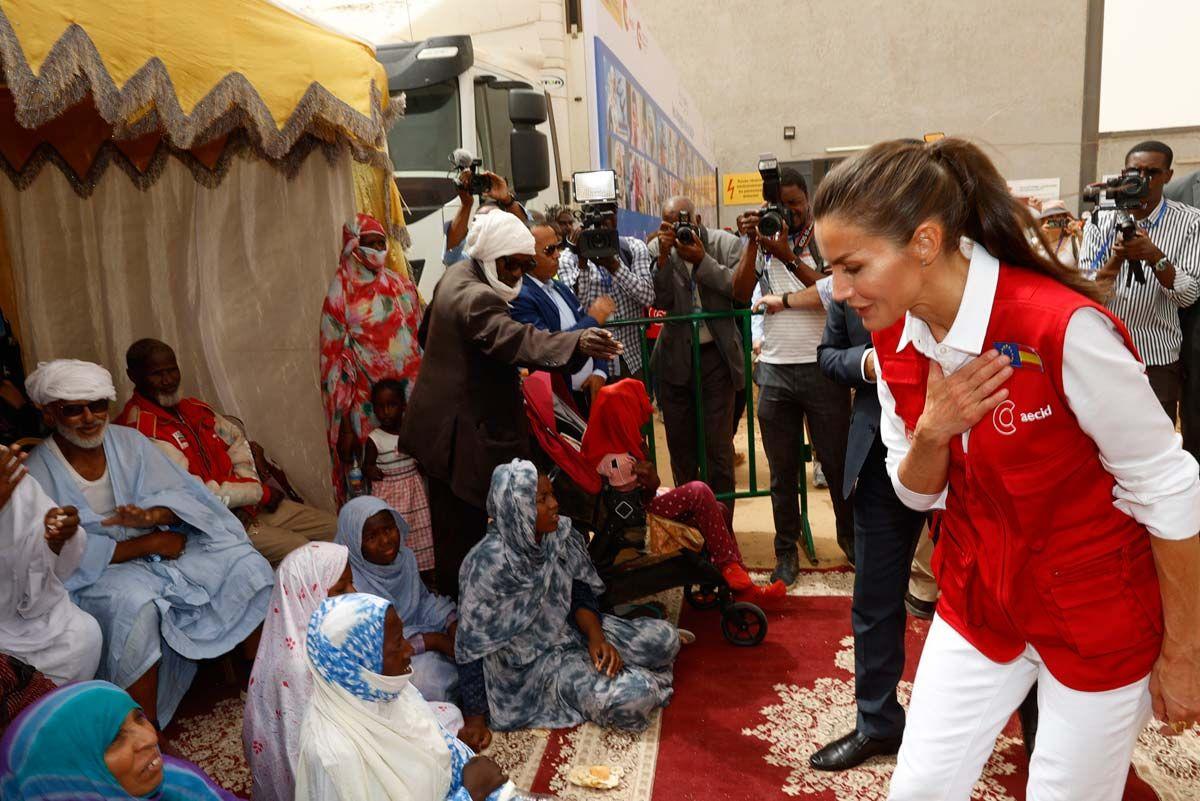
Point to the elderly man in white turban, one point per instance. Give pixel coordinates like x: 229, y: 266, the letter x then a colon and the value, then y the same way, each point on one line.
x: 466, y: 414
x: 166, y: 569
x: 41, y: 545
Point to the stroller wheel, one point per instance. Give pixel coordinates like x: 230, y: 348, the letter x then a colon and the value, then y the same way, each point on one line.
x: 744, y: 624
x: 702, y: 596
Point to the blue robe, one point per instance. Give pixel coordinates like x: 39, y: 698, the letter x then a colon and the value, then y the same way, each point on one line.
x: 515, y: 615
x: 207, y: 601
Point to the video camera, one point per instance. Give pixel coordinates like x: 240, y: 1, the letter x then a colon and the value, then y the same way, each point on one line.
x: 464, y: 160
x: 1125, y: 191
x: 776, y: 216
x: 596, y: 194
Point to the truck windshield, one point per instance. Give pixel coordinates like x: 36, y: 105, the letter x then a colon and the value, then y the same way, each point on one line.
x: 422, y: 139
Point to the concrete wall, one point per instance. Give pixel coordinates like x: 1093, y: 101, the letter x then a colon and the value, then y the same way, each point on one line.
x: 1184, y: 141
x: 1007, y: 74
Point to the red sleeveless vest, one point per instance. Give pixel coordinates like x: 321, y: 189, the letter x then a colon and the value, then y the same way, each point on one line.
x: 1030, y: 548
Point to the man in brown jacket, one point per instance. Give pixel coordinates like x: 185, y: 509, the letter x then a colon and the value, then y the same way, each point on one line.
x: 466, y: 415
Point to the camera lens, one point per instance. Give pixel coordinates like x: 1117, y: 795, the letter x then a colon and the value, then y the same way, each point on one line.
x: 770, y: 224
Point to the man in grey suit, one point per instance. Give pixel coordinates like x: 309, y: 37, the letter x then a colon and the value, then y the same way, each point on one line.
x: 1187, y: 190
x: 885, y: 536
x: 697, y: 276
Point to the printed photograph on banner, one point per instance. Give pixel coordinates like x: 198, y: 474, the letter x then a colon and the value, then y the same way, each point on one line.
x: 618, y: 103
x: 636, y: 108
x: 618, y: 154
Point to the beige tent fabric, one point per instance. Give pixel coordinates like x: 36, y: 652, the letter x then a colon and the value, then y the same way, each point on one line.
x: 233, y: 278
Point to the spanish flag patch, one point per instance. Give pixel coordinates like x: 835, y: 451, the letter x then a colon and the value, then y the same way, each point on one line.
x: 1020, y: 355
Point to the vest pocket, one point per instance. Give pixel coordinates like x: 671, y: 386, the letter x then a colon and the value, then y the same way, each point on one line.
x: 1099, y: 603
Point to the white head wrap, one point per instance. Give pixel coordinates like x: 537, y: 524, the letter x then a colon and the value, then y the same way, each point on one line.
x: 492, y: 236
x: 69, y: 380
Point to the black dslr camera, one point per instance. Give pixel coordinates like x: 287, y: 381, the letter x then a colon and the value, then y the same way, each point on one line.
x: 775, y: 217
x: 596, y: 194
x: 1124, y: 192
x: 684, y: 228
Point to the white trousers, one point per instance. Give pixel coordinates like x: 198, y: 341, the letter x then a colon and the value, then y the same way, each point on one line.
x: 961, y: 701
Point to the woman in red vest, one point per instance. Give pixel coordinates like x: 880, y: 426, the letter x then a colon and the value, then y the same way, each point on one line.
x: 1014, y: 405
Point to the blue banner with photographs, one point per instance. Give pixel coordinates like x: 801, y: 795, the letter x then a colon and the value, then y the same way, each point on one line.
x: 652, y: 159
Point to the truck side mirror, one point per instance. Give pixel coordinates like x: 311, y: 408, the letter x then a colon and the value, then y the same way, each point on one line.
x: 529, y: 150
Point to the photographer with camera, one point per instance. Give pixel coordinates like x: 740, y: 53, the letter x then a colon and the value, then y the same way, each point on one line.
x: 1152, y: 267
x: 695, y: 273
x: 1062, y: 231
x: 493, y: 192
x: 780, y: 262
x: 625, y: 277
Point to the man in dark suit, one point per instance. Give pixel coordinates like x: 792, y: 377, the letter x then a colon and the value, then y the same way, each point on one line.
x: 885, y: 536
x: 550, y: 305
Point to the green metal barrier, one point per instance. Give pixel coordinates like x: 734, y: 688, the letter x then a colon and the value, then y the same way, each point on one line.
x: 695, y: 320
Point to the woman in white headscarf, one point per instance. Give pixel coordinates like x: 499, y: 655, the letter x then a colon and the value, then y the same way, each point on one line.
x: 368, y: 734
x: 40, y: 545
x: 280, y: 684
x: 466, y: 414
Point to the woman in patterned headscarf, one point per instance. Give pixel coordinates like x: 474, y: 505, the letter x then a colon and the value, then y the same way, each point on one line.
x: 529, y: 622
x: 368, y: 332
x: 368, y: 734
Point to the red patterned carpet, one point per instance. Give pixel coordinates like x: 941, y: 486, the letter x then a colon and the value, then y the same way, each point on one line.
x: 741, y: 726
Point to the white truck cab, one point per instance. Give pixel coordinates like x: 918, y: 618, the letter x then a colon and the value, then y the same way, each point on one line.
x: 454, y: 101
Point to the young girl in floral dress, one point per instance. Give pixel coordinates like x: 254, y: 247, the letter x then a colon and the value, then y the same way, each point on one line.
x: 393, y: 474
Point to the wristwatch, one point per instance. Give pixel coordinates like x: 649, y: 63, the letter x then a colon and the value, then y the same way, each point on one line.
x: 1162, y: 264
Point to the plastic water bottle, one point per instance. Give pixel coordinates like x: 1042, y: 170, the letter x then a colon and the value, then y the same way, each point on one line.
x: 354, y: 477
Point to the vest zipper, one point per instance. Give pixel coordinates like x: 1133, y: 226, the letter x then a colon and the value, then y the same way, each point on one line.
x: 199, y: 446
x: 1003, y: 599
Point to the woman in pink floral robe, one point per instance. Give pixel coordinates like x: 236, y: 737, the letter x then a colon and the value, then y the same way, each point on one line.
x: 368, y: 332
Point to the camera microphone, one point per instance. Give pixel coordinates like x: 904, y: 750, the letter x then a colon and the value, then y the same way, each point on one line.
x: 462, y: 158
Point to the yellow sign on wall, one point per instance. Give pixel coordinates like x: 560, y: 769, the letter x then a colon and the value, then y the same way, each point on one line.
x: 742, y: 188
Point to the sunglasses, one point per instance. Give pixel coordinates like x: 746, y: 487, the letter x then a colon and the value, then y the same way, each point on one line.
x: 76, y: 409
x: 550, y: 250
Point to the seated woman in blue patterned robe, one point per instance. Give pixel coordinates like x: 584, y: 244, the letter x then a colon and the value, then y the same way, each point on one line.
x: 531, y: 629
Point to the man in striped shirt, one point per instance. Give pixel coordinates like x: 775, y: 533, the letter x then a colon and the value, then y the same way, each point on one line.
x: 625, y: 278
x: 775, y: 272
x: 1168, y: 245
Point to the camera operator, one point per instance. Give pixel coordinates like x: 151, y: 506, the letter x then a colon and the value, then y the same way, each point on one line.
x: 774, y: 271
x: 697, y: 275
x: 1062, y: 231
x: 1167, y: 242
x: 497, y: 196
x: 625, y: 278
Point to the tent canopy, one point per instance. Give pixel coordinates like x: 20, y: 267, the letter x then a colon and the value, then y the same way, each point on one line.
x: 91, y: 83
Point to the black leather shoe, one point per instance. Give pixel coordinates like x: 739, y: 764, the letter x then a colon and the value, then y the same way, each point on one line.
x: 787, y: 568
x: 851, y: 751
x: 918, y: 608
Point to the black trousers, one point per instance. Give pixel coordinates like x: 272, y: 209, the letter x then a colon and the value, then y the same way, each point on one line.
x: 678, y: 403
x: 885, y: 536
x: 789, y: 394
x: 457, y: 527
x: 1189, y: 401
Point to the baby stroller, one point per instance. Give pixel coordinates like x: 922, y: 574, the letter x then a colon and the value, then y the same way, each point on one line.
x: 615, y: 523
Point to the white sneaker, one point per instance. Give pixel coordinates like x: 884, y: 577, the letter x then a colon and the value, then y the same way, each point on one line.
x: 819, y: 477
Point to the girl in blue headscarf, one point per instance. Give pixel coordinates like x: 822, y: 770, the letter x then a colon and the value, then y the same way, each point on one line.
x: 368, y: 734
x: 91, y: 742
x: 529, y: 616
x: 383, y: 564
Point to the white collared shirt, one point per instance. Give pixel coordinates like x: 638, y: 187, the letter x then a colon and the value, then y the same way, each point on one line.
x: 1158, y: 483
x: 566, y: 319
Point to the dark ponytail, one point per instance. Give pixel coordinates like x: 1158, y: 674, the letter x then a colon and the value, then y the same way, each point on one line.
x: 893, y: 187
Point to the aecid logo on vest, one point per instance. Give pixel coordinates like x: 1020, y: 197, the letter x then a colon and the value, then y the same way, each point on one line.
x: 1005, y: 417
